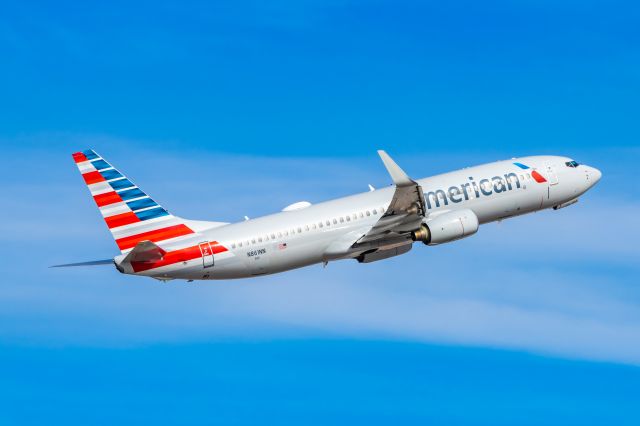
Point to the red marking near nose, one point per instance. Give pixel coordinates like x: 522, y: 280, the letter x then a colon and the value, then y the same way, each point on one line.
x: 538, y: 177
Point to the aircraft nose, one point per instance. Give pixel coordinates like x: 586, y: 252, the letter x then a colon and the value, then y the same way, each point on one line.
x: 594, y: 175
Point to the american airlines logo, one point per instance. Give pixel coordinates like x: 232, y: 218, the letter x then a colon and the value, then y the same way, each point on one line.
x: 483, y: 187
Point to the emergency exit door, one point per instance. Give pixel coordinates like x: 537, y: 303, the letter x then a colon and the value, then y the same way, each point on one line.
x: 207, y: 254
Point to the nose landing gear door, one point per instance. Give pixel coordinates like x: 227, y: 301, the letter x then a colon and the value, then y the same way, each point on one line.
x: 207, y: 254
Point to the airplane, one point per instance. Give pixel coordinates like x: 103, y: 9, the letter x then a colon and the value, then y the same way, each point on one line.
x: 368, y: 227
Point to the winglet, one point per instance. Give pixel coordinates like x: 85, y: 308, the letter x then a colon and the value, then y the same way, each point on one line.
x: 398, y: 175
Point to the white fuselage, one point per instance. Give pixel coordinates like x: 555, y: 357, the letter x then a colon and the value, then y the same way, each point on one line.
x: 308, y: 235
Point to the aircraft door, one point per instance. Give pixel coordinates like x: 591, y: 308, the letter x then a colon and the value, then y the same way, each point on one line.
x: 551, y: 175
x: 552, y: 181
x: 207, y: 254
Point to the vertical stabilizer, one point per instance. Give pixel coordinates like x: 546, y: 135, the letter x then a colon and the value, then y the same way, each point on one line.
x: 131, y: 215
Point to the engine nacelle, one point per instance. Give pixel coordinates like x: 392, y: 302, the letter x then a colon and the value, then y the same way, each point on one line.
x: 447, y: 227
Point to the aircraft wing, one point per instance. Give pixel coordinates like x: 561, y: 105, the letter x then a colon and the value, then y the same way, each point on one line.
x: 404, y: 214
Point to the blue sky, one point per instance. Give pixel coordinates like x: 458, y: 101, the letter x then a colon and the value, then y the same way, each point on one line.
x: 230, y: 109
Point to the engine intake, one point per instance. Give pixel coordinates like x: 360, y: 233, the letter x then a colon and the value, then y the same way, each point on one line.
x: 447, y: 227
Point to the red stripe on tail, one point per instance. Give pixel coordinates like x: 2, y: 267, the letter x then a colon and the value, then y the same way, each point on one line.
x: 176, y: 256
x: 170, y: 258
x: 121, y: 219
x: 217, y: 249
x: 92, y: 177
x: 107, y: 198
x: 155, y: 236
x: 79, y: 157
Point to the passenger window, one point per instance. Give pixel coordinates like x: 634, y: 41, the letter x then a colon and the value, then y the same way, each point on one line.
x: 320, y: 224
x: 253, y: 241
x: 314, y: 226
x: 328, y: 223
x: 259, y: 239
x: 368, y: 214
x: 233, y: 245
x: 341, y: 219
x: 355, y: 216
x: 335, y: 222
x: 306, y: 227
x: 299, y: 230
x: 348, y: 219
x: 361, y: 215
x: 375, y: 211
x: 240, y: 244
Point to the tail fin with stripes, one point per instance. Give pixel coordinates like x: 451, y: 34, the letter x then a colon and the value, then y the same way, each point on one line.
x: 131, y: 215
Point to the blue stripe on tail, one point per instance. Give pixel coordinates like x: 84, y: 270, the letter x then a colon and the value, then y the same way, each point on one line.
x: 130, y: 194
x: 110, y: 174
x: 100, y: 164
x: 151, y: 214
x: 120, y: 184
x: 89, y: 154
x: 141, y: 204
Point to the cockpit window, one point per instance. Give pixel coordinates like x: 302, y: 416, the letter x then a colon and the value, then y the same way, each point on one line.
x: 572, y: 164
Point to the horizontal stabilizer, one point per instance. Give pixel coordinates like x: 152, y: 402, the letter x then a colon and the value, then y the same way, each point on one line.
x: 90, y: 263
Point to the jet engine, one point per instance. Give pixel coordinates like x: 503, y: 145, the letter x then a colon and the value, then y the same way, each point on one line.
x: 446, y: 227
